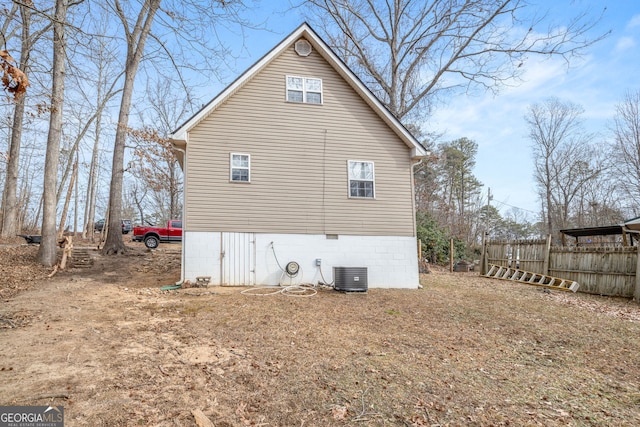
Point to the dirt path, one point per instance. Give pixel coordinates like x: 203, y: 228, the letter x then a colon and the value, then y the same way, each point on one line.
x: 114, y: 350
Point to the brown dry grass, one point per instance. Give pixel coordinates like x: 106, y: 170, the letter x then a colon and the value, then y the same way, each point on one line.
x: 465, y: 350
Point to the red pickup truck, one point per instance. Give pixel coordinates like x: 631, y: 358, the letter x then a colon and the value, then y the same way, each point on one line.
x: 152, y: 236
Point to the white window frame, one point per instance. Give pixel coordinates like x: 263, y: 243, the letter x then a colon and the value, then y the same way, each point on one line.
x: 232, y: 167
x: 372, y: 180
x: 304, y: 90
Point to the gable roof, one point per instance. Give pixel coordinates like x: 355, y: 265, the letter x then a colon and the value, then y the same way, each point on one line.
x: 305, y: 31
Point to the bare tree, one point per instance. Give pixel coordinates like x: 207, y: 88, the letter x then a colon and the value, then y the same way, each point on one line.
x: 101, y: 80
x: 89, y: 113
x: 137, y: 196
x: 599, y: 202
x: 575, y: 166
x: 67, y: 200
x: 7, y: 31
x: 47, y: 251
x: 10, y: 205
x: 31, y: 173
x: 562, y: 157
x: 9, y: 194
x: 136, y: 37
x: 155, y: 167
x: 410, y: 52
x: 626, y: 150
x: 154, y: 163
x: 550, y: 125
x: 187, y: 21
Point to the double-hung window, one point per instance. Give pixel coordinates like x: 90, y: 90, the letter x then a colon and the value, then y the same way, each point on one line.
x: 361, y: 179
x: 304, y: 89
x: 240, y: 167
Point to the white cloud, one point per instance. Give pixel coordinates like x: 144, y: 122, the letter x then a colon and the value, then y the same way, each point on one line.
x: 634, y: 22
x: 540, y: 73
x: 497, y: 123
x: 624, y: 44
x: 596, y: 81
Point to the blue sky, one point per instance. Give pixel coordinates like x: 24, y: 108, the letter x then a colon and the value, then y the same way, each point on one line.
x: 496, y: 122
x: 597, y: 82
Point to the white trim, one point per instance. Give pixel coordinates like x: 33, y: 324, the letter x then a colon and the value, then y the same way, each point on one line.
x: 373, y: 179
x: 232, y: 167
x: 321, y: 47
x: 304, y: 90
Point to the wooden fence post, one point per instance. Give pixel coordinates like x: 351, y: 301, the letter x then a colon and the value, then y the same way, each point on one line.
x: 483, y: 256
x: 451, y: 255
x: 547, y: 255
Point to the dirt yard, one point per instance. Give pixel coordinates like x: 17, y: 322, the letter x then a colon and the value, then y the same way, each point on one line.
x: 112, y: 348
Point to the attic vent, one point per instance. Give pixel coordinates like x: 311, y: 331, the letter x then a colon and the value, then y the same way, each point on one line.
x: 303, y: 47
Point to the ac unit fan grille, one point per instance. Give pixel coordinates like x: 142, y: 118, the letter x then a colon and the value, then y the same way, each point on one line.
x: 350, y: 279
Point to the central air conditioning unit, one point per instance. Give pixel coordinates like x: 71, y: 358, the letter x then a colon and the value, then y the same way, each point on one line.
x: 350, y: 279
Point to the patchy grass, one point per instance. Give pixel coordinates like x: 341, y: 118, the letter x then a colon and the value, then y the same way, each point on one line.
x: 463, y: 351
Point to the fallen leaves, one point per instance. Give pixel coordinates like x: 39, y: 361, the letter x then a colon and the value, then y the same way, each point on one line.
x: 19, y: 270
x: 461, y: 351
x: 622, y: 308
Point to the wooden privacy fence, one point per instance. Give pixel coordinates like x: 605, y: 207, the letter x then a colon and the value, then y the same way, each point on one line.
x: 611, y: 271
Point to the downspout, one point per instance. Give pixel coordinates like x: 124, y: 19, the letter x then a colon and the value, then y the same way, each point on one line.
x: 415, y: 220
x: 413, y: 194
x: 184, y: 204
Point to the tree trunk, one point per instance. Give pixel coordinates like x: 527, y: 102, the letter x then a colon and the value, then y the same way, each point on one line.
x: 9, y: 199
x: 36, y: 219
x: 114, y: 243
x: 65, y: 209
x: 73, y: 151
x: 92, y: 185
x: 75, y: 199
x: 549, y: 214
x: 9, y: 195
x: 135, y: 48
x: 47, y: 251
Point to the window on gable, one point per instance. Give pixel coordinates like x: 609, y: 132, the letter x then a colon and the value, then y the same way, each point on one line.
x: 304, y: 89
x: 361, y: 179
x: 240, y: 167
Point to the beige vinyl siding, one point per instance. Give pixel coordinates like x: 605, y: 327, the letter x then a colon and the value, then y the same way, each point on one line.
x: 299, y: 154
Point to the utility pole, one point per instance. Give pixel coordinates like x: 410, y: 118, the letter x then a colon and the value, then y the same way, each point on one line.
x: 485, y: 235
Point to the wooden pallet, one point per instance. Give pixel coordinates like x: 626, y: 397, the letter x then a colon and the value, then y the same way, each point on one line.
x: 529, y: 278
